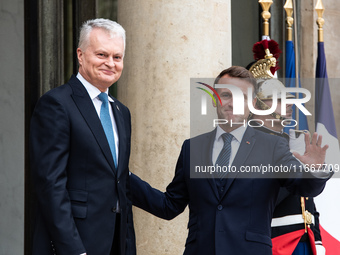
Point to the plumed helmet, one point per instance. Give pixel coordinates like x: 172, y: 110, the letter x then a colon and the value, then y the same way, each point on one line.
x: 262, y: 70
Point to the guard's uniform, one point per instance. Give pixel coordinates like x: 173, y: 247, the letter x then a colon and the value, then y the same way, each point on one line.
x: 295, y: 223
x: 288, y: 227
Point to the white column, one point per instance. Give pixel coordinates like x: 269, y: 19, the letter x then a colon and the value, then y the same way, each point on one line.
x: 168, y: 42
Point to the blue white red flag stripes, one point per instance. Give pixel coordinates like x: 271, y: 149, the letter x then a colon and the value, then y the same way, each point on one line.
x: 290, y: 82
x: 328, y: 202
x: 287, y: 243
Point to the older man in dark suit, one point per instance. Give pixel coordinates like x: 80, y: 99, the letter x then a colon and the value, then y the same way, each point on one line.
x: 80, y: 149
x: 230, y: 212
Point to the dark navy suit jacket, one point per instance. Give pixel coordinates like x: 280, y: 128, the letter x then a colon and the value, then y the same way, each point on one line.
x: 236, y: 221
x: 76, y: 183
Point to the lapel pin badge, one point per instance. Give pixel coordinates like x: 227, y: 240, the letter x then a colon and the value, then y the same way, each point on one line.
x: 117, y: 108
x: 248, y: 142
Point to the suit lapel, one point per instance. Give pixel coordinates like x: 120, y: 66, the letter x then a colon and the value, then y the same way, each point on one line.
x: 206, y: 156
x: 121, y: 134
x: 86, y: 108
x: 242, y: 154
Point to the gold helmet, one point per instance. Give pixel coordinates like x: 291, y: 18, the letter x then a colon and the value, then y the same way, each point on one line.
x: 266, y: 82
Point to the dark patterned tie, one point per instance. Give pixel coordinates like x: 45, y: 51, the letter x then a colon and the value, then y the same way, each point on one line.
x: 224, y: 156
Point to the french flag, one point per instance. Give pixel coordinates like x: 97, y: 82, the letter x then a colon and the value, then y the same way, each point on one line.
x: 290, y: 82
x: 328, y: 202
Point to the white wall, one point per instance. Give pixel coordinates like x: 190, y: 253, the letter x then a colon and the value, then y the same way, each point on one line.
x: 11, y: 127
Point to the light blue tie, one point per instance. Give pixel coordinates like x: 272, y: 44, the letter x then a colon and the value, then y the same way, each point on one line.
x: 224, y: 156
x: 107, y: 124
